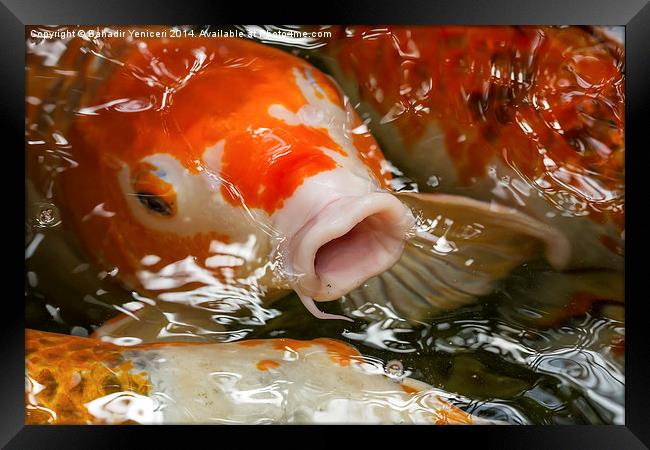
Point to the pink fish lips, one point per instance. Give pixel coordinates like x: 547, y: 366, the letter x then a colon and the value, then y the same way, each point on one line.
x: 348, y: 241
x: 340, y: 230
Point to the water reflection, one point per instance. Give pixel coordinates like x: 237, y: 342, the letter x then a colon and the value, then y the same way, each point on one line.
x: 513, y: 357
x: 123, y: 407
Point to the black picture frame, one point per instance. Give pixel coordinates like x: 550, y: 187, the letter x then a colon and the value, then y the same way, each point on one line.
x: 634, y: 14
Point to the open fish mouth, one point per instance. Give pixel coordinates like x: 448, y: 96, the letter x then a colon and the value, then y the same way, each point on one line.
x: 350, y: 240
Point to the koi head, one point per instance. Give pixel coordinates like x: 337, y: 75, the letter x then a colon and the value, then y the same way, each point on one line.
x: 231, y: 154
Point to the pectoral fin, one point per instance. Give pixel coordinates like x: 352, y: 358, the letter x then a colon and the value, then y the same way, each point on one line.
x: 552, y: 298
x: 462, y: 247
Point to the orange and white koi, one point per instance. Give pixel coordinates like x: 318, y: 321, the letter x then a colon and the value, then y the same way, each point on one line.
x: 195, y: 160
x: 75, y: 380
x: 532, y: 117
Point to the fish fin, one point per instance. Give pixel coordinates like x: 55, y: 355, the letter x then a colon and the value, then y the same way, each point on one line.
x: 461, y: 249
x: 551, y: 298
x: 472, y: 223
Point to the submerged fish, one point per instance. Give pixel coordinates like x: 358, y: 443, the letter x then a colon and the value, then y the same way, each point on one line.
x: 75, y: 380
x: 189, y: 162
x: 532, y: 117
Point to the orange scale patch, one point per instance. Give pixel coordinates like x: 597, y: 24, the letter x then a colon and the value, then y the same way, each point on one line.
x: 267, y: 166
x: 370, y: 153
x: 408, y: 389
x: 340, y: 352
x: 267, y: 364
x: 451, y: 415
x: 83, y: 370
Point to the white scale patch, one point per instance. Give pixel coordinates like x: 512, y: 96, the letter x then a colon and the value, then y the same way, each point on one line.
x: 223, y: 384
x: 200, y: 206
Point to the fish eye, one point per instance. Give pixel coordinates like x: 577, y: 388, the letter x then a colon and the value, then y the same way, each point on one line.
x: 155, y: 203
x: 153, y: 190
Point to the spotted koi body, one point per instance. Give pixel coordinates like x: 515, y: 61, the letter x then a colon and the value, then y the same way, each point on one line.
x: 74, y: 380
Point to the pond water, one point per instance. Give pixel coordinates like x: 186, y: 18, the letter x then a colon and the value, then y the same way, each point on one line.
x: 540, y: 129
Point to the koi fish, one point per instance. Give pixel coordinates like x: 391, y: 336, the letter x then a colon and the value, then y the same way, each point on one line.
x: 532, y: 117
x: 76, y: 380
x: 184, y: 163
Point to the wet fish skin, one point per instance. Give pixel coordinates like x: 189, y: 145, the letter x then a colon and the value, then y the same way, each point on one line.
x: 224, y: 162
x: 211, y: 156
x: 75, y: 380
x: 531, y: 117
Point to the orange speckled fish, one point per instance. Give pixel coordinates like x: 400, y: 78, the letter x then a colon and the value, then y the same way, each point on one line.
x: 197, y: 161
x: 532, y: 117
x: 75, y: 380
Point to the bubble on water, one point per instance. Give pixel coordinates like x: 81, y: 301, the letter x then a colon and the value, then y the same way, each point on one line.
x: 394, y: 369
x: 433, y: 181
x: 46, y: 215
